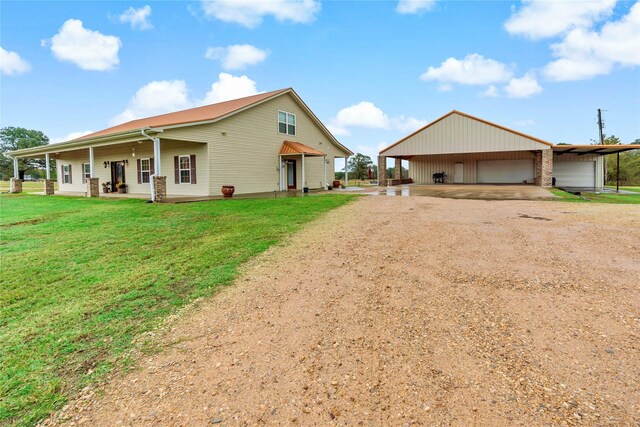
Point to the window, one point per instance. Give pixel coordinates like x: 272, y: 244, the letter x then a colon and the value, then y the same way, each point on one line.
x: 184, y: 164
x: 145, y: 170
x: 66, y: 174
x: 286, y: 123
x: 87, y: 172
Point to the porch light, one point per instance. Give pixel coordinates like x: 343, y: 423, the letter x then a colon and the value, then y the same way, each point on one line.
x: 106, y: 164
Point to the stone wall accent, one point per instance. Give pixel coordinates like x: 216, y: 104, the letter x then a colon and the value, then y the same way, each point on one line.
x: 160, y: 188
x: 48, y: 187
x: 546, y: 168
x: 93, y: 187
x: 538, y: 178
x: 15, y: 185
x: 382, y: 170
x: 397, y: 174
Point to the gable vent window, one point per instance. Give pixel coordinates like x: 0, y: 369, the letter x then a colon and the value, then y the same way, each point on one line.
x: 286, y: 123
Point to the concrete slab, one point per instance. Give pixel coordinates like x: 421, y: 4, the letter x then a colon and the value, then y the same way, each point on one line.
x: 475, y: 191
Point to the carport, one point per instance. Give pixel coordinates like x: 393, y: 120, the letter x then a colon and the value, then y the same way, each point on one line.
x: 470, y: 150
x: 580, y: 167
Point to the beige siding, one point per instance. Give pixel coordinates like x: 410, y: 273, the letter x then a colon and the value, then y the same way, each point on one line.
x: 569, y: 157
x: 460, y: 134
x: 246, y: 156
x: 422, y: 168
x: 119, y: 152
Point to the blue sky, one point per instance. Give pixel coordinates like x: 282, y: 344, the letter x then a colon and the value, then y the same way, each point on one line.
x: 372, y: 71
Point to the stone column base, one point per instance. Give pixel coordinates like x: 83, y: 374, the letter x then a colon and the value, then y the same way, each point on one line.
x: 546, y: 168
x: 93, y: 187
x: 48, y: 187
x: 382, y: 171
x: 159, y: 188
x: 15, y: 185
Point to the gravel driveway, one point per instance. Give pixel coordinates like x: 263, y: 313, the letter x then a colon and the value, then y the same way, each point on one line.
x: 409, y: 311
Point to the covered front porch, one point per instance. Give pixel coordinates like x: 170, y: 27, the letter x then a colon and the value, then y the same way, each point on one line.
x: 127, y: 167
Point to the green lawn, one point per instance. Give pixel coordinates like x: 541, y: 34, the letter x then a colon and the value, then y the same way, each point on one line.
x: 563, y: 196
x: 27, y: 186
x: 81, y: 278
x: 627, y: 188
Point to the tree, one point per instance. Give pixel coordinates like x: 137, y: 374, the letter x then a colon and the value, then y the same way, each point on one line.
x: 359, y: 166
x: 12, y: 138
x: 629, y: 164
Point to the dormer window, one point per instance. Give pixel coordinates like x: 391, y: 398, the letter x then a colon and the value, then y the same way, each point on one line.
x: 286, y: 123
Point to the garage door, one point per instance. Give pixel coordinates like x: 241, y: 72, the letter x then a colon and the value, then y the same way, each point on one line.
x: 575, y: 174
x: 505, y: 171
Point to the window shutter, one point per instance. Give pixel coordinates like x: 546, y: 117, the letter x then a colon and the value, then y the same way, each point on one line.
x: 61, y: 174
x: 176, y: 169
x: 193, y: 168
x: 152, y: 167
x: 84, y: 178
x: 70, y: 175
x: 139, y: 171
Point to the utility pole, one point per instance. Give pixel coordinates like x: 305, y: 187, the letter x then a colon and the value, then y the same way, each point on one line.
x: 604, y: 159
x: 600, y: 126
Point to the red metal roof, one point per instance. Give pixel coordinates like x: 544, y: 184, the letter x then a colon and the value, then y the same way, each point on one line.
x: 192, y: 115
x: 292, y: 147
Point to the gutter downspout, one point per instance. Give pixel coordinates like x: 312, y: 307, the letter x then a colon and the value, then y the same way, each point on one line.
x: 156, y: 141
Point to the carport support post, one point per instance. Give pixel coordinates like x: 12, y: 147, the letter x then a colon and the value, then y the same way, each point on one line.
x: 397, y: 173
x: 382, y: 170
x: 617, y: 172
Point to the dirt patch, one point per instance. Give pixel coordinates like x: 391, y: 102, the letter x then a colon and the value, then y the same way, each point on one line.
x: 409, y: 311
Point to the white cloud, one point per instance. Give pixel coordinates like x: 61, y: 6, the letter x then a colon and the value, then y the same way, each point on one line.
x: 523, y: 87
x: 230, y: 87
x: 138, y: 18
x: 11, y: 63
x: 474, y: 69
x: 407, y: 124
x: 543, y: 18
x: 156, y: 97
x: 237, y: 56
x: 414, y: 6
x: 89, y: 50
x: 71, y: 136
x: 165, y: 96
x: 491, y: 92
x: 365, y: 114
x: 585, y: 53
x: 250, y: 13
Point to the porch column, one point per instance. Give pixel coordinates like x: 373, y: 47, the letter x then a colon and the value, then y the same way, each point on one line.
x: 158, y: 183
x: 304, y: 179
x: 397, y: 174
x: 324, y: 159
x: 346, y: 172
x: 280, y: 173
x: 15, y: 183
x: 546, y: 168
x: 90, y: 162
x: 47, y: 165
x: 382, y: 170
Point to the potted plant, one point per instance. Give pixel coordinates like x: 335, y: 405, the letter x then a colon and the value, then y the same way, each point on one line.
x: 122, y: 187
x: 228, y: 190
x: 106, y: 186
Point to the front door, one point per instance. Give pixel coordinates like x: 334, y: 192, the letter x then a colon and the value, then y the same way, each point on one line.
x: 291, y: 174
x: 117, y: 174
